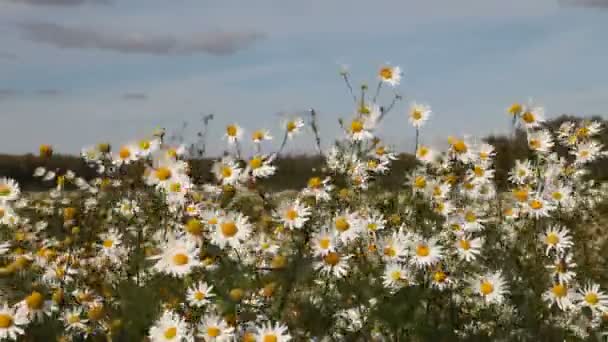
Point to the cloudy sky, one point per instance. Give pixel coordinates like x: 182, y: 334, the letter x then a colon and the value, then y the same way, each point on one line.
x: 77, y: 72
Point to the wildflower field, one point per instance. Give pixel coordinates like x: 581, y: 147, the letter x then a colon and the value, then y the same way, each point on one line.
x: 154, y: 249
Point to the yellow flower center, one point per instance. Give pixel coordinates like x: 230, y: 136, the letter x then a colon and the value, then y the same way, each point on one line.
x: 257, y: 135
x: 231, y: 130
x: 212, y: 221
x: 342, y: 224
x: 194, y: 226
x: 515, y: 109
x: 528, y: 117
x: 396, y: 275
x: 163, y: 173
x: 226, y: 171
x: 34, y: 301
x: 213, y: 331
x: 170, y: 333
x: 423, y: 151
x: 440, y: 276
x: 95, y: 313
x: 460, y: 147
x: 73, y: 319
x: 198, y: 295
x: 108, y: 243
x: 559, y: 290
x: 332, y: 258
x: 46, y: 150
x: 470, y: 217
x: 144, y: 144
x: 422, y: 250
x: 229, y: 229
x: 175, y: 187
x: 6, y: 321
x: 291, y: 126
x: 372, y: 226
x: 464, y: 244
x: 521, y: 194
x: 486, y: 288
x: 124, y: 152
x: 314, y: 182
x: 536, y: 204
x: 386, y: 73
x: 591, y: 298
x: 416, y: 114
x: 556, y: 195
x: 270, y: 338
x: 389, y: 251
x: 180, y: 259
x: 534, y: 144
x: 479, y: 171
x: 255, y: 163
x: 291, y: 214
x: 420, y: 182
x: 356, y: 126
x: 5, y: 190
x: 381, y: 150
x: 324, y: 243
x: 552, y: 239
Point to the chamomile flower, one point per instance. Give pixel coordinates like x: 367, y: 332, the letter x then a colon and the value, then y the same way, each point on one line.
x: 200, y: 294
x: 425, y: 252
x: 396, y: 276
x: 539, y: 207
x: 592, y: 297
x: 213, y: 328
x: 319, y: 188
x: 260, y: 135
x: 12, y: 322
x: 293, y: 127
x: 419, y: 114
x: 293, y: 215
x: 9, y: 189
x: 556, y: 239
x: 226, y: 171
x: 74, y: 322
x: 532, y: 117
x: 468, y: 248
x: 425, y: 154
x: 126, y: 154
x: 323, y: 242
x: 231, y: 230
x: 540, y: 141
x: 261, y: 166
x: 491, y: 287
x: 360, y: 130
x: 35, y: 307
x: 461, y: 149
x: 393, y: 247
x: 347, y: 226
x: 374, y: 222
x: 145, y: 147
x: 276, y: 332
x: 440, y: 279
x: 233, y: 133
x: 562, y: 268
x: 560, y: 294
x: 170, y: 327
x: 586, y: 152
x: 178, y: 257
x: 390, y: 75
x: 333, y: 264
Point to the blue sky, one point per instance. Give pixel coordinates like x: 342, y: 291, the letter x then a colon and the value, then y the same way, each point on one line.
x: 76, y: 72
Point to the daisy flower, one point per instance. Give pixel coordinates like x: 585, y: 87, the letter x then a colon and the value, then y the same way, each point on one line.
x: 393, y: 247
x: 491, y: 286
x: 170, y: 327
x: 562, y: 268
x: 233, y: 133
x: 9, y: 189
x: 468, y: 249
x: 360, y: 130
x: 539, y: 207
x: 318, y: 188
x: 540, y: 141
x: 294, y: 215
x: 461, y: 149
x: 11, y: 322
x: 260, y: 135
x: 200, y: 294
x: 396, y: 276
x: 347, y: 226
x: 383, y: 153
x: 293, y: 127
x: 267, y: 332
x: 419, y: 114
x: 556, y: 239
x: 333, y: 263
x: 592, y: 297
x: 125, y: 155
x: 231, y: 230
x: 35, y: 307
x: 226, y: 171
x: 178, y: 257
x: 110, y: 243
x: 425, y: 154
x: 586, y: 152
x: 532, y: 117
x: 214, y: 328
x: 74, y: 322
x: 560, y: 294
x: 390, y: 74
x: 323, y: 242
x: 440, y: 280
x: 261, y: 167
x: 145, y: 147
x: 425, y: 252
x: 374, y: 221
